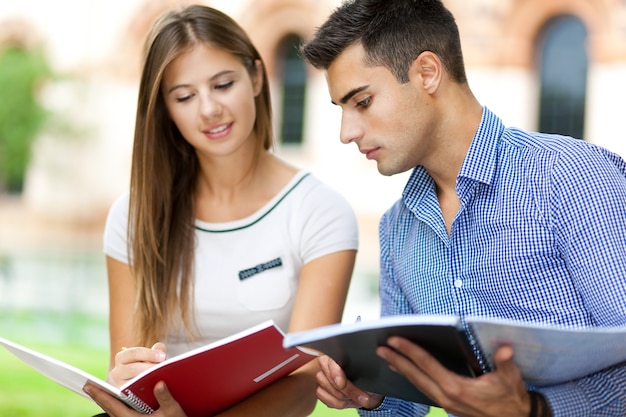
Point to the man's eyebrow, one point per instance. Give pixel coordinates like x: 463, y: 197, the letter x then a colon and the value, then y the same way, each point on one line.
x: 351, y: 94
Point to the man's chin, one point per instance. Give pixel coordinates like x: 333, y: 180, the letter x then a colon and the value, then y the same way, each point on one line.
x: 388, y: 171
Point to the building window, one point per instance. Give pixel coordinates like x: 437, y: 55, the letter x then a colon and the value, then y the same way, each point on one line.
x: 293, y: 76
x: 563, y: 64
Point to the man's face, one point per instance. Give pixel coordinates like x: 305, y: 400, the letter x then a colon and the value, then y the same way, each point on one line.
x: 391, y: 123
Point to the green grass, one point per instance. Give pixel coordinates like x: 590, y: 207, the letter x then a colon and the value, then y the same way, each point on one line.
x: 26, y: 393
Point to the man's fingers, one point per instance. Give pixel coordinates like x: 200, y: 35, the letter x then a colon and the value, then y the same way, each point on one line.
x: 418, y: 366
x: 327, y: 385
x: 333, y: 400
x: 333, y: 372
x: 351, y: 397
x: 504, y: 363
x: 336, y: 391
x: 329, y: 392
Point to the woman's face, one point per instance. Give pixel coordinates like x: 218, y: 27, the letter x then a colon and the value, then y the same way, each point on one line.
x: 209, y: 95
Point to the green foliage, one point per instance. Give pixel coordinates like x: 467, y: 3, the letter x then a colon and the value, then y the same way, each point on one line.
x: 22, y: 71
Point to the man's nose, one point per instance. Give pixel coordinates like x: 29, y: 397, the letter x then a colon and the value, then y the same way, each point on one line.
x: 350, y: 130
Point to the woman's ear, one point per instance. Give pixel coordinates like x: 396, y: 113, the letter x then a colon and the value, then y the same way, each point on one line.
x: 257, y: 77
x: 427, y: 70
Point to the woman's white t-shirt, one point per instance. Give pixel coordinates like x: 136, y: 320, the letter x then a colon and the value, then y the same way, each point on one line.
x: 246, y: 271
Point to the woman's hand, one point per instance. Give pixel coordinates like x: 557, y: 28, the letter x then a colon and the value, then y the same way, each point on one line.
x: 168, y: 407
x: 130, y: 362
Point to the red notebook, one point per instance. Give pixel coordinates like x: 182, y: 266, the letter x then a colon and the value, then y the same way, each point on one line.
x: 204, y: 381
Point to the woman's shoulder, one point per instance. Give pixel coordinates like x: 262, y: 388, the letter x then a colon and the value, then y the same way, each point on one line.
x: 315, y: 197
x: 307, y: 183
x: 305, y: 191
x: 115, y: 230
x: 119, y: 207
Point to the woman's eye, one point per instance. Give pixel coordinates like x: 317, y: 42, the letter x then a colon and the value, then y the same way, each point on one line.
x: 224, y: 86
x: 364, y: 103
x: 183, y: 99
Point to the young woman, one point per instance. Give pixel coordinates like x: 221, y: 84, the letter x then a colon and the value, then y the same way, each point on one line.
x: 209, y: 201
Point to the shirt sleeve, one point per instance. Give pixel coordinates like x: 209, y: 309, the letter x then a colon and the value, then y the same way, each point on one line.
x: 392, y: 303
x: 588, y: 212
x: 327, y: 223
x: 598, y: 395
x: 115, y: 238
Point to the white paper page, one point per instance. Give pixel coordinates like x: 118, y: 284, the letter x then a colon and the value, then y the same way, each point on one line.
x: 60, y: 372
x: 550, y: 355
x: 303, y: 337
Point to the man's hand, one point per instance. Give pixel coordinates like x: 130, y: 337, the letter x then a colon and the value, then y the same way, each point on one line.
x: 501, y: 393
x: 336, y: 391
x: 168, y: 407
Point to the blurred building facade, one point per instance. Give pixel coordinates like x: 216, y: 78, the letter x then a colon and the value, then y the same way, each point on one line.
x: 553, y: 65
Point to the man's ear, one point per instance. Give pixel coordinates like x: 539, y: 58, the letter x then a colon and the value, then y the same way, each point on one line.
x: 257, y: 77
x: 427, y: 70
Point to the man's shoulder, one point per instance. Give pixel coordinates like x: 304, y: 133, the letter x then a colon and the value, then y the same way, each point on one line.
x: 547, y: 142
x: 550, y: 145
x: 536, y: 140
x: 566, y: 155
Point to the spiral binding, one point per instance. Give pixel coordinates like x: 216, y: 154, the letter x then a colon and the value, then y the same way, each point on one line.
x: 137, y: 403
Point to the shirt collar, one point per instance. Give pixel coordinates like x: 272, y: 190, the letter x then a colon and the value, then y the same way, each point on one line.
x: 482, y: 155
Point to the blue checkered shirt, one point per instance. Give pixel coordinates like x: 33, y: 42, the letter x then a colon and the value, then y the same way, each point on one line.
x: 540, y: 236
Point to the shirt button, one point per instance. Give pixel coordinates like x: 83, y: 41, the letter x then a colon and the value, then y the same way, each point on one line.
x: 458, y: 283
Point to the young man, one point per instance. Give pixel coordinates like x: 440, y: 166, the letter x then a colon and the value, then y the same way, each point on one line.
x: 493, y: 221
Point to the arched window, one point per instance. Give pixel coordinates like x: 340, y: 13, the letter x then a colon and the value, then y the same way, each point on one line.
x: 293, y: 76
x: 563, y: 64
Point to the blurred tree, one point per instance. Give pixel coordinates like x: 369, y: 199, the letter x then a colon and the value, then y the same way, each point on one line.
x: 22, y: 73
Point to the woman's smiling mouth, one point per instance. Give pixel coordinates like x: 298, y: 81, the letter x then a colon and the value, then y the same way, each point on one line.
x: 219, y: 131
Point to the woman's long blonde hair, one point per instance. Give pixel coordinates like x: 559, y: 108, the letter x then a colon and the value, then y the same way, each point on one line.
x: 165, y: 168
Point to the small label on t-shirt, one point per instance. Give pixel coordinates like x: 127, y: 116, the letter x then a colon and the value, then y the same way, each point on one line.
x: 247, y: 273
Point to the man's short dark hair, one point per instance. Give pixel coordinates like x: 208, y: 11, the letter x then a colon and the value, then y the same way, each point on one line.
x: 393, y: 33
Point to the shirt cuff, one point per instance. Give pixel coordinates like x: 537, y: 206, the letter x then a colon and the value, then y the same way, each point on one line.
x: 564, y: 399
x: 394, y: 407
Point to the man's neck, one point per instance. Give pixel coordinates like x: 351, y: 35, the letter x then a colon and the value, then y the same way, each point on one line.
x: 459, y: 121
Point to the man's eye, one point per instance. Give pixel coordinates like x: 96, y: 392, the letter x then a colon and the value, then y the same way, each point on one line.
x: 224, y: 86
x: 364, y: 103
